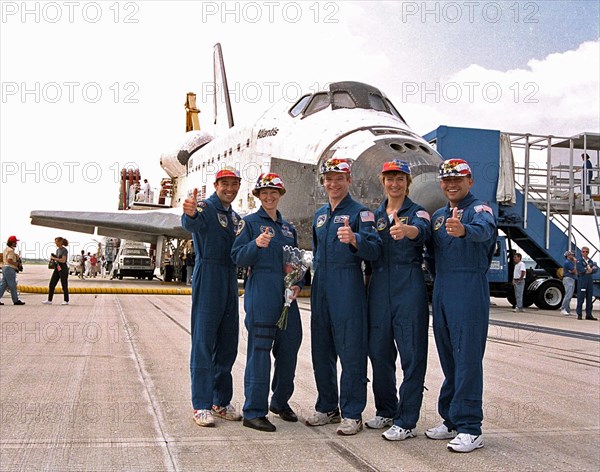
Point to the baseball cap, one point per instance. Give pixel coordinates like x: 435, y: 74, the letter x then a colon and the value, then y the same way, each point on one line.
x: 12, y: 239
x: 569, y: 253
x: 228, y: 172
x: 396, y: 165
x: 336, y: 165
x: 270, y: 180
x: 454, y: 168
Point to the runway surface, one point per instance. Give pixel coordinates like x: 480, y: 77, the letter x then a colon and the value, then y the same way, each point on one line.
x: 103, y: 385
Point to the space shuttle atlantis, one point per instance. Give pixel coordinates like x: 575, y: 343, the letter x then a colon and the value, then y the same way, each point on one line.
x: 349, y: 120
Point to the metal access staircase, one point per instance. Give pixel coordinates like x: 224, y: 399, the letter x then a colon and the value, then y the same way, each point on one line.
x: 546, y: 195
x: 547, y: 198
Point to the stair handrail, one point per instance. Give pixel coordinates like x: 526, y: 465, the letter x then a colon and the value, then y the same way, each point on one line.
x: 555, y: 216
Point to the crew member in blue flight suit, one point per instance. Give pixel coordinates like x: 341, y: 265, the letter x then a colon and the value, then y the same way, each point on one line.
x: 585, y: 285
x: 398, y: 306
x: 215, y: 317
x: 343, y: 234
x: 259, y: 246
x: 464, y: 237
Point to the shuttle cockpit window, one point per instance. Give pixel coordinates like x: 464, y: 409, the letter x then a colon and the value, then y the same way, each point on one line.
x: 343, y: 100
x: 376, y: 102
x: 393, y: 110
x: 319, y: 102
x: 299, y: 106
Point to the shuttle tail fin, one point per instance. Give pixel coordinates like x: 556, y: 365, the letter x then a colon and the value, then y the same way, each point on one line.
x: 221, y: 96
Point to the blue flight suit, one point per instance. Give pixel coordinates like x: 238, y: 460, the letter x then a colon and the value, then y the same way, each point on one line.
x: 339, y: 306
x: 399, y: 312
x: 461, y: 310
x: 215, y: 317
x: 585, y: 286
x: 263, y: 302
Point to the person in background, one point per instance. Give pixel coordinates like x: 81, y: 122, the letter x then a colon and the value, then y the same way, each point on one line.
x: 93, y: 265
x: 343, y: 235
x: 190, y: 261
x: 568, y: 280
x: 9, y: 271
x: 585, y: 285
x: 88, y: 264
x: 82, y: 264
x: 519, y: 273
x: 102, y: 266
x: 261, y: 237
x: 215, y: 316
x: 398, y: 306
x: 146, y: 190
x: 60, y: 272
x: 464, y: 236
x: 133, y: 190
x: 587, y: 174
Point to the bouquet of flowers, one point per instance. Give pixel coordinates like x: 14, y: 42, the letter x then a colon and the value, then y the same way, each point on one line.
x: 295, y: 264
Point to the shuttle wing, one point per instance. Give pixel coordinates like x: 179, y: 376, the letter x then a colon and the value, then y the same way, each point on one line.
x: 133, y: 225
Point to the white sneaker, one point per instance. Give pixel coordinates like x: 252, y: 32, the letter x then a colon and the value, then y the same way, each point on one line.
x: 47, y: 302
x: 64, y: 303
x: 465, y: 442
x: 226, y: 412
x: 320, y: 419
x: 396, y: 433
x: 565, y: 312
x: 440, y: 432
x: 204, y: 418
x: 349, y: 427
x: 379, y: 422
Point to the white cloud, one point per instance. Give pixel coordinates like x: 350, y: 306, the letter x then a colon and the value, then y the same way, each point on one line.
x: 558, y: 95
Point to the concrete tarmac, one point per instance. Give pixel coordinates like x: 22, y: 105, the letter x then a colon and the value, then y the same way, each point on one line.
x: 103, y: 385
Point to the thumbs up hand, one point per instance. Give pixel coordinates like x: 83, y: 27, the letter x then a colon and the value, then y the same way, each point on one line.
x: 345, y: 233
x: 190, y: 204
x: 399, y: 229
x: 453, y: 225
x: 264, y: 238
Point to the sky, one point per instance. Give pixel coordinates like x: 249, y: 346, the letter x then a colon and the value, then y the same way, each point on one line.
x: 88, y: 88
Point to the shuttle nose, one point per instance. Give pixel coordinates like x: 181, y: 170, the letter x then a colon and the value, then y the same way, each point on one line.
x: 424, y: 162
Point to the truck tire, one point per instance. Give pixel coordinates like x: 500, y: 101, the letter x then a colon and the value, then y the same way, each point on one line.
x: 549, y: 295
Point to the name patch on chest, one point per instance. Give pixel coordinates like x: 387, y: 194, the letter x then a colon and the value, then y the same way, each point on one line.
x: 285, y: 229
x: 270, y: 231
x: 340, y: 219
x: 240, y: 227
x: 321, y: 220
